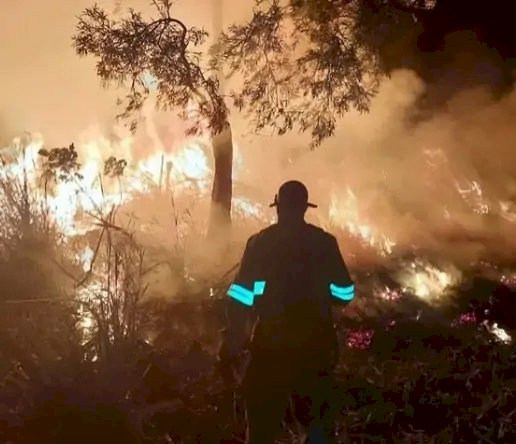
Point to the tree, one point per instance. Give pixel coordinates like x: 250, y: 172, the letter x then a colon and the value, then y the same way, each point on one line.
x: 302, y: 65
x: 222, y: 191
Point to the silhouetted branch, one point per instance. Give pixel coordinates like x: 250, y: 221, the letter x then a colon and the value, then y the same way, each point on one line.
x: 131, y: 48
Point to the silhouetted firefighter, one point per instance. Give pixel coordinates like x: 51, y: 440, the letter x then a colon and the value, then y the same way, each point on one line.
x: 289, y: 274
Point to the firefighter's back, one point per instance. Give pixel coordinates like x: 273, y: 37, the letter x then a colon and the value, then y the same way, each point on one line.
x: 294, y: 314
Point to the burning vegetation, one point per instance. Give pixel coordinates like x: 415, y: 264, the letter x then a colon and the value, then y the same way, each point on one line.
x: 110, y: 313
x: 113, y: 282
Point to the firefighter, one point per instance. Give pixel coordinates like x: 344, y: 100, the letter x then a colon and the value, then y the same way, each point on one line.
x: 280, y: 310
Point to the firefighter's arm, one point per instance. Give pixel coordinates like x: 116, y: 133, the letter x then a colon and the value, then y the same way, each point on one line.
x: 341, y: 286
x: 239, y: 305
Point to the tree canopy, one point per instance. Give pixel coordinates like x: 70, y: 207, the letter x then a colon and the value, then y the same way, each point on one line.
x: 302, y: 64
x: 133, y: 50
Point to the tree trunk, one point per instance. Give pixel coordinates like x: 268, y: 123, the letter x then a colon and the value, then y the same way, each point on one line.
x: 220, y: 212
x: 222, y: 191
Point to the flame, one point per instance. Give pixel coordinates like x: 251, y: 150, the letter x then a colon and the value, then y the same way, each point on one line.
x: 388, y: 294
x: 247, y: 208
x: 21, y: 161
x: 427, y: 281
x: 500, y: 334
x: 187, y: 167
x: 472, y: 194
x: 88, y: 295
x: 344, y: 213
x: 86, y: 258
x: 92, y: 192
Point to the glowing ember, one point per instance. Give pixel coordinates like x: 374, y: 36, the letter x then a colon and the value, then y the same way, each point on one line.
x: 467, y: 318
x: 509, y: 280
x: 360, y: 339
x: 388, y: 294
x: 473, y: 196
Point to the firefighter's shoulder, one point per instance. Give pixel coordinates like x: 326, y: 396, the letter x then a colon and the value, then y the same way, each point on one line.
x: 266, y: 234
x: 260, y: 236
x: 320, y: 235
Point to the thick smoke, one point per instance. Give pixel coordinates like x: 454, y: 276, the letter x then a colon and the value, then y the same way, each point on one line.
x: 444, y: 184
x: 388, y: 169
x: 45, y: 87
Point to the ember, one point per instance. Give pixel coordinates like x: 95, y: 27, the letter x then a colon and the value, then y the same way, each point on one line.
x: 360, y: 339
x: 467, y: 318
x: 388, y: 294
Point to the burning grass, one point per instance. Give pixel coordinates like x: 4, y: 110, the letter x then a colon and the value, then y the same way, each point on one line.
x: 107, y: 334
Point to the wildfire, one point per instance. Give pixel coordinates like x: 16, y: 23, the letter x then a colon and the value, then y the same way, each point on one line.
x: 388, y: 294
x: 427, y: 281
x: 188, y: 170
x: 472, y: 194
x: 499, y: 333
x: 249, y: 209
x: 185, y: 170
x: 86, y: 258
x: 344, y: 213
x: 90, y: 191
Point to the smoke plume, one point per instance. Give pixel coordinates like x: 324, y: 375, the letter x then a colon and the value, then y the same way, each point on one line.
x: 444, y: 184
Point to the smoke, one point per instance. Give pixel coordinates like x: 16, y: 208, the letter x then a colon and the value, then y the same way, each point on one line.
x: 44, y: 86
x: 444, y: 184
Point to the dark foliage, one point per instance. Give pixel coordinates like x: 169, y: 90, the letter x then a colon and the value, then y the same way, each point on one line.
x: 132, y: 49
x: 114, y: 167
x: 302, y: 64
x: 60, y: 163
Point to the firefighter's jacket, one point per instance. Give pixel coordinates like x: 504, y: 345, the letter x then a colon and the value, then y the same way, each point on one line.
x: 282, y: 295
